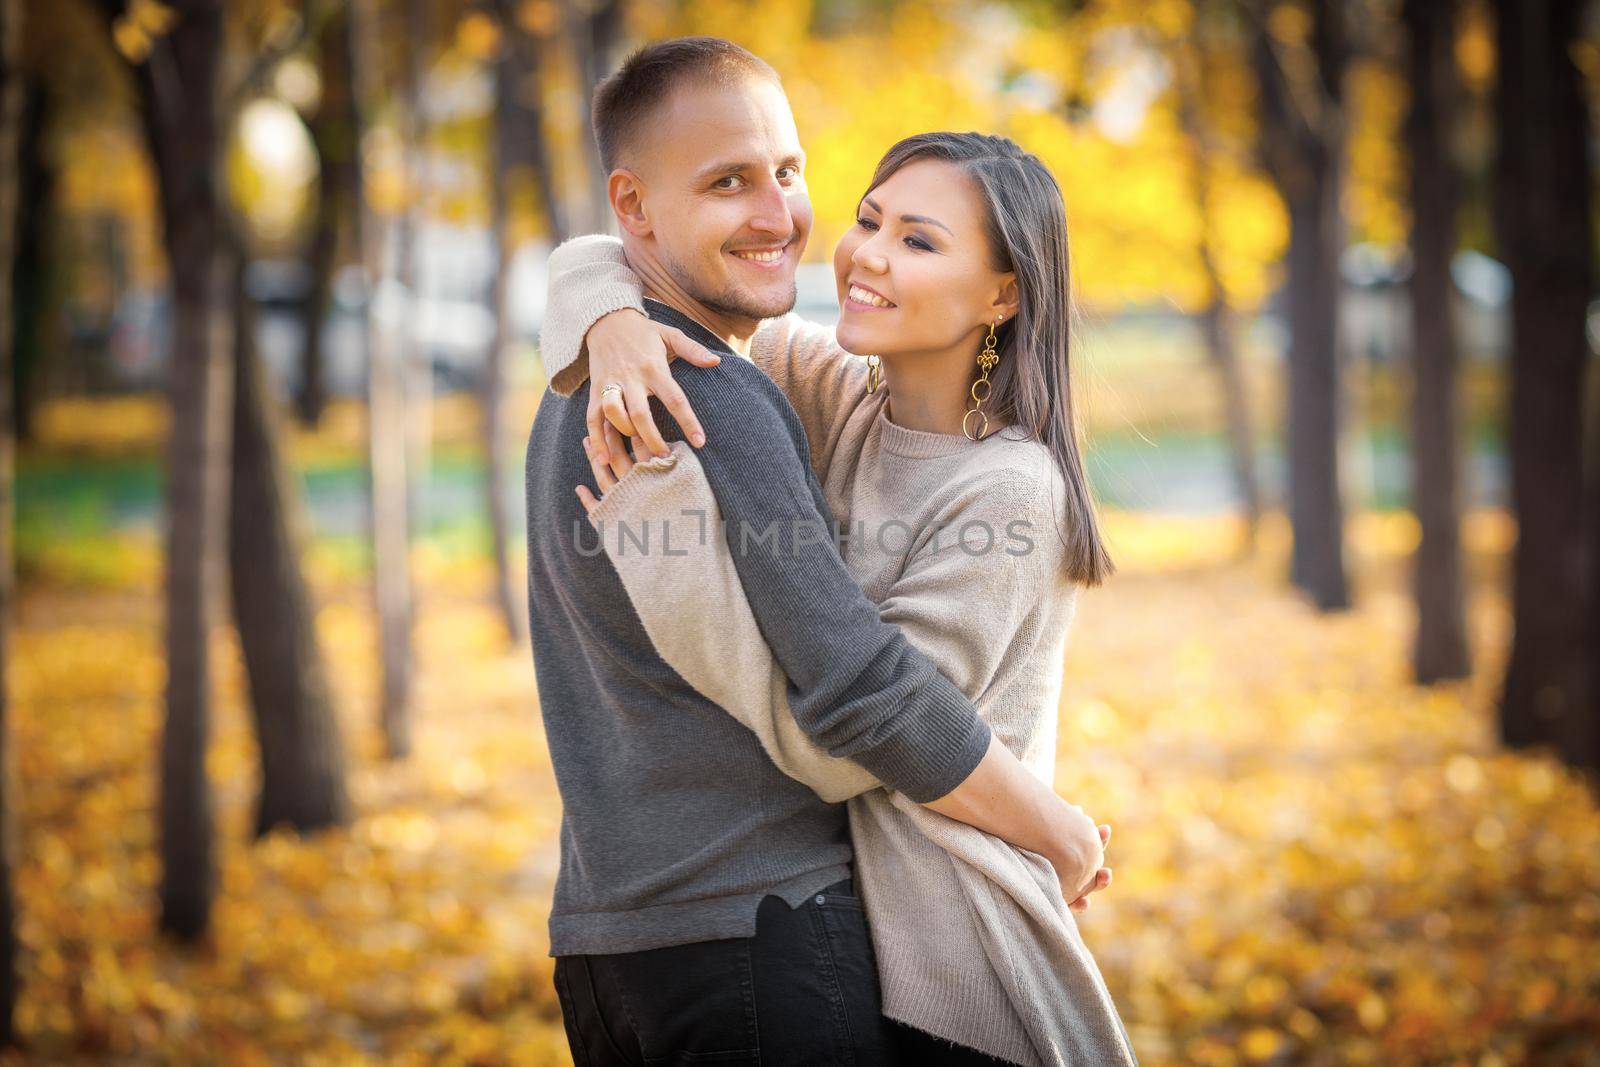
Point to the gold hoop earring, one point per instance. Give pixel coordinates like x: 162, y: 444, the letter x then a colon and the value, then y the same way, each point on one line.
x: 986, y: 361
x: 873, y: 376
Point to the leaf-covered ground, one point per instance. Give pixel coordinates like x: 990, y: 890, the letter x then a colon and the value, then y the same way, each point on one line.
x: 1315, y: 862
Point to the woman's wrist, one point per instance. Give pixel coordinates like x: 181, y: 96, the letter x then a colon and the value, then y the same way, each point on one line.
x: 603, y: 327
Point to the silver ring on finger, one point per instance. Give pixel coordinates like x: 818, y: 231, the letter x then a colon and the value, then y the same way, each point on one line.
x: 614, y: 385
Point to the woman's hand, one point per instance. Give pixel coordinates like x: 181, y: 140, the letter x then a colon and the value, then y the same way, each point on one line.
x: 606, y: 474
x: 1079, y: 856
x: 1102, y: 877
x: 629, y: 349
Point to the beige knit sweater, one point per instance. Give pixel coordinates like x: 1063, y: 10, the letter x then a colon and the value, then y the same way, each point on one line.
x: 957, y: 543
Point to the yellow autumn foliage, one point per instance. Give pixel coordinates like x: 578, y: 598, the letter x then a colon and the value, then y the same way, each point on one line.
x: 1315, y: 861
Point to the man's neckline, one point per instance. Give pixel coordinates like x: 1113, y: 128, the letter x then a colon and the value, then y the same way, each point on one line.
x: 694, y: 327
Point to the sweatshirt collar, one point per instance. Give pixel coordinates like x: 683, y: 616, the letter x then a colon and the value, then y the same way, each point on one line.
x: 673, y: 317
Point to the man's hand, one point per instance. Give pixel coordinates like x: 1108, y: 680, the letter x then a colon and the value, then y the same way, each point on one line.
x: 607, y: 473
x: 628, y: 349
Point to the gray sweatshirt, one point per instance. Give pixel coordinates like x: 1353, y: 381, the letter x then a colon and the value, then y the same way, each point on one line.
x: 676, y: 822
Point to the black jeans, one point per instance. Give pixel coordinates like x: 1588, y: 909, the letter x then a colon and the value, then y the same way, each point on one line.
x: 912, y: 1046
x: 803, y: 990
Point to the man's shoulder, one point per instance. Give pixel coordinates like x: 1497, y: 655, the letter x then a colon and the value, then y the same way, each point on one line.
x: 733, y: 382
x: 735, y: 386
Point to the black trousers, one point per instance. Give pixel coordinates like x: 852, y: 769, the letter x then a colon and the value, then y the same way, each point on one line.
x: 913, y: 1047
x: 803, y: 990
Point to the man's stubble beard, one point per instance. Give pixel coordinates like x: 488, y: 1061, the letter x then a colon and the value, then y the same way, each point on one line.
x: 729, y: 301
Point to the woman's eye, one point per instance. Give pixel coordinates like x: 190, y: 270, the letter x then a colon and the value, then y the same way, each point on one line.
x: 866, y: 224
x: 919, y: 244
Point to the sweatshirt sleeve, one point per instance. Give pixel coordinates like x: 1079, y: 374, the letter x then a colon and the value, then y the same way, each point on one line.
x: 855, y: 684
x: 662, y: 530
x: 589, y: 278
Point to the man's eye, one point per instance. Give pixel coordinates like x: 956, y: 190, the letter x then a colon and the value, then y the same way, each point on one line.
x: 794, y: 172
x: 729, y: 178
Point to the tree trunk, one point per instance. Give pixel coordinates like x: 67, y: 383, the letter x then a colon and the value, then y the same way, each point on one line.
x: 35, y: 289
x: 598, y: 37
x: 1302, y: 146
x: 1222, y: 351
x: 519, y: 119
x: 179, y: 107
x: 333, y: 131
x: 493, y: 388
x: 1440, y: 648
x: 1216, y: 319
x: 416, y: 361
x: 386, y: 434
x: 1592, y: 498
x: 10, y: 122
x: 1544, y: 228
x: 302, y: 755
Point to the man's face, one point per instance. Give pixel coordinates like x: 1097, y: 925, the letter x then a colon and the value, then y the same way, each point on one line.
x: 726, y: 195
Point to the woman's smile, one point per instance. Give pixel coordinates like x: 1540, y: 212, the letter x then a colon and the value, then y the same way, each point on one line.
x: 861, y: 298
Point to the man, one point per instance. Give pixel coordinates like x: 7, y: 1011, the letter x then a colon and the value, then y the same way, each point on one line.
x: 704, y: 903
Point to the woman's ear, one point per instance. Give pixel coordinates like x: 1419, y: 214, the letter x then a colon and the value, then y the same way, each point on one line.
x: 626, y: 192
x: 1009, y: 299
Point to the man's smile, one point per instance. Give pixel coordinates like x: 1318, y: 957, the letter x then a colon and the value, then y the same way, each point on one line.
x: 765, y: 258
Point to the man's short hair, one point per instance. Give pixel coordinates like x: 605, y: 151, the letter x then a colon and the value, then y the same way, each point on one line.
x: 623, y: 101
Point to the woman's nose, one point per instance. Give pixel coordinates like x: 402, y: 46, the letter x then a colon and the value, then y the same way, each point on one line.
x: 867, y: 259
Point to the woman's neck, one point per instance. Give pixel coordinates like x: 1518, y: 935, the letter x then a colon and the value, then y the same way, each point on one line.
x: 931, y: 391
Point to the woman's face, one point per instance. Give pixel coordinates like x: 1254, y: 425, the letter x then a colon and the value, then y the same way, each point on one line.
x: 913, y: 273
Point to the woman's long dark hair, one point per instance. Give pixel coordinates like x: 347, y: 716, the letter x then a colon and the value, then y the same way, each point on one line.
x: 1032, y: 390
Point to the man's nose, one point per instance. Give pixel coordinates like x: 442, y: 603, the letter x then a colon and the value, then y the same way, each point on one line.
x: 772, y: 212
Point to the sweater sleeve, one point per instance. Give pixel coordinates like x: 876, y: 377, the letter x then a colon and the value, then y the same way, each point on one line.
x: 855, y: 685
x: 662, y: 530
x: 589, y: 278
x: 966, y: 596
x: 823, y: 381
x: 960, y: 607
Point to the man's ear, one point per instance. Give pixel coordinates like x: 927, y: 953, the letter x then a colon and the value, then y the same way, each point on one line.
x: 626, y: 191
x: 1009, y: 297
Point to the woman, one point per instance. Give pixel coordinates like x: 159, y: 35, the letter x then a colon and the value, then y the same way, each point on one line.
x: 955, y: 278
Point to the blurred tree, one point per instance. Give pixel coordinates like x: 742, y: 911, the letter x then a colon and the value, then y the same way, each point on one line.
x: 415, y: 360
x: 519, y: 145
x: 334, y: 134
x: 386, y: 417
x: 175, y: 51
x: 596, y: 28
x: 1300, y: 55
x: 175, y: 57
x: 1192, y: 62
x: 301, y: 752
x: 1440, y: 647
x: 10, y: 123
x: 32, y: 294
x: 1545, y: 230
